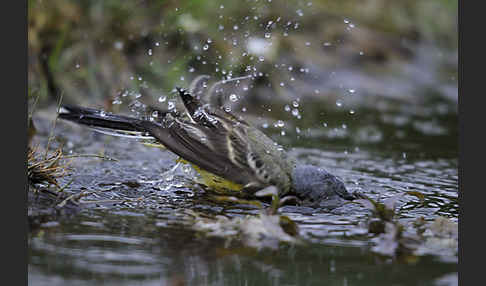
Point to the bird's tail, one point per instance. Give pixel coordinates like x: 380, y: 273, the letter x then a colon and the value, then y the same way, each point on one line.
x: 105, y: 122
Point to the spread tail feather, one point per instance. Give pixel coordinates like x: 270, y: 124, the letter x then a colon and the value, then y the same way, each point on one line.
x: 104, y: 122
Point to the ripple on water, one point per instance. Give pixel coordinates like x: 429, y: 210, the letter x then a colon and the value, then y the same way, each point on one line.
x: 381, y: 177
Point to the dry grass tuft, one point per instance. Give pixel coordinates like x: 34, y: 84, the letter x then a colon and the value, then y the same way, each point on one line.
x: 47, y: 167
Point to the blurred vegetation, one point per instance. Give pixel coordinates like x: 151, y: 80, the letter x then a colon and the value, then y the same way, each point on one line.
x: 94, y: 50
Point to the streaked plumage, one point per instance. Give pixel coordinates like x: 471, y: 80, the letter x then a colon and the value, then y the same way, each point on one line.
x: 211, y: 138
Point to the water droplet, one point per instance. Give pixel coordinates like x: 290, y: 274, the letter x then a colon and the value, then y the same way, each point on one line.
x: 221, y: 27
x: 221, y: 7
x: 346, y: 21
x: 235, y: 27
x: 295, y: 103
x: 307, y: 44
x: 149, y: 52
x: 268, y: 35
x: 282, y: 84
x: 233, y: 97
x: 300, y: 13
x: 279, y: 123
x: 361, y: 53
x: 170, y: 105
x: 162, y: 98
x: 155, y: 114
x: 102, y: 113
x: 351, y: 90
x: 344, y: 126
x: 118, y: 45
x: 324, y: 124
x: 169, y: 177
x: 206, y: 47
x: 287, y: 108
x: 265, y: 125
x: 282, y: 132
x: 157, y: 44
x: 117, y: 101
x: 186, y: 168
x: 261, y: 58
x: 295, y: 112
x: 77, y: 66
x: 339, y: 103
x: 191, y: 69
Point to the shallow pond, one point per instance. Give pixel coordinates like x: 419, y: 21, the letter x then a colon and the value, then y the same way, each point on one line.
x: 129, y: 229
x: 365, y: 90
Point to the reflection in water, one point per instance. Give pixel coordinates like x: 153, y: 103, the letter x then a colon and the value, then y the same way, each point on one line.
x: 173, y: 255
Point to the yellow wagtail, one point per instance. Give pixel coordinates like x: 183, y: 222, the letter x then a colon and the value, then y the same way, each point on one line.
x: 226, y: 150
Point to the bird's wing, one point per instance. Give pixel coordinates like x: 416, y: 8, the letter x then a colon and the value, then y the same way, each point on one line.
x: 199, y: 94
x: 199, y: 85
x: 219, y: 148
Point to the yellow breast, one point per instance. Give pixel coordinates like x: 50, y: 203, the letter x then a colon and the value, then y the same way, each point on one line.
x: 214, y: 182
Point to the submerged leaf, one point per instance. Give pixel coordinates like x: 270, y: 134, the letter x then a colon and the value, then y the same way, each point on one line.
x: 256, y: 231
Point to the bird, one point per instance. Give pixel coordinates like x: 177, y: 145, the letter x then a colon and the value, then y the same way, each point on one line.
x: 227, y: 151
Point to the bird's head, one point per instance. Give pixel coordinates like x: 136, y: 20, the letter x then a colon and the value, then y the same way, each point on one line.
x: 316, y: 186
